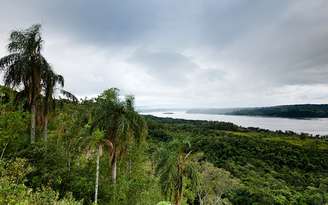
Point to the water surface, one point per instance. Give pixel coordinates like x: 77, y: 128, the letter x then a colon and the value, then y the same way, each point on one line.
x: 312, y: 126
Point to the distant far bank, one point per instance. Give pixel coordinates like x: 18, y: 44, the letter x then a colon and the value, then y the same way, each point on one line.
x: 313, y: 126
x: 285, y: 111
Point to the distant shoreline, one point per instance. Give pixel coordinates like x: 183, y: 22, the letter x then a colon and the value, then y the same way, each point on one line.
x: 300, y: 111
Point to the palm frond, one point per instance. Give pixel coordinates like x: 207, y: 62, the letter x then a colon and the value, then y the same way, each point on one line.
x: 15, y: 73
x: 8, y: 60
x: 129, y: 102
x: 69, y: 95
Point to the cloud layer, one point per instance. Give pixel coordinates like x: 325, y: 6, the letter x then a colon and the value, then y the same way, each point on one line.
x: 185, y: 53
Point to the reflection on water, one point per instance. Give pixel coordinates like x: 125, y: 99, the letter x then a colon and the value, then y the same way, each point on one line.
x: 313, y: 126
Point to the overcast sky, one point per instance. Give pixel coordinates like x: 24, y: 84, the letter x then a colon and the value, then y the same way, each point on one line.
x: 183, y: 53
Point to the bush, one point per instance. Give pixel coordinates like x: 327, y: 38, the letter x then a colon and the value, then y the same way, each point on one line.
x: 13, y: 191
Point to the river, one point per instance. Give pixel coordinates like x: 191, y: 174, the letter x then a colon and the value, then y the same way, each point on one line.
x: 315, y: 126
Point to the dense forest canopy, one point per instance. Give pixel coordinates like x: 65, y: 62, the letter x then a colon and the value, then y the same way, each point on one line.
x: 56, y: 149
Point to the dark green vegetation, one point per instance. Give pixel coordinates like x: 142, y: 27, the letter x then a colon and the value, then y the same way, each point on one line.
x: 101, y: 151
x: 273, y: 168
x: 288, y: 111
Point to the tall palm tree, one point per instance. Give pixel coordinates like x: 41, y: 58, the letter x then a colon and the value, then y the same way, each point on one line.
x: 50, y: 80
x: 91, y: 143
x: 24, y: 66
x: 174, y: 166
x: 120, y: 122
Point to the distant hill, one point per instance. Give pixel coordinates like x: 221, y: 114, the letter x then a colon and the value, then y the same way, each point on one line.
x: 213, y: 111
x: 287, y: 111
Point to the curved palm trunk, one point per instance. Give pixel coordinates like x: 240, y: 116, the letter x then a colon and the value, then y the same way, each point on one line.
x: 33, y: 122
x: 114, y: 168
x: 112, y: 159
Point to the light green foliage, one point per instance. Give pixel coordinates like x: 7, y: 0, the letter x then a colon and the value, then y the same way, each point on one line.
x: 163, y: 203
x: 214, y: 183
x: 13, y: 127
x: 177, y: 171
x: 136, y: 183
x: 98, y: 135
x: 13, y: 191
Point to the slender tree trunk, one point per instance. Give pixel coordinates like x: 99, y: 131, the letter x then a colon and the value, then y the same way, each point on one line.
x: 97, y: 175
x: 179, y: 193
x: 178, y: 199
x: 130, y: 167
x: 33, y: 123
x: 36, y: 88
x: 45, y: 128
x: 3, y: 150
x: 69, y: 163
x: 78, y: 159
x: 200, y: 199
x: 114, y: 168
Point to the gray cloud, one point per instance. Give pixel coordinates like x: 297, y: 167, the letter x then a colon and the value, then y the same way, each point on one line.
x: 188, y: 52
x: 169, y: 67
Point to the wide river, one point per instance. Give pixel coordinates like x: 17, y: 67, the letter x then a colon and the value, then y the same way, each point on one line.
x: 313, y: 126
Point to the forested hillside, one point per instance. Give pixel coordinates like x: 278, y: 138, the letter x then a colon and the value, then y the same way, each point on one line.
x: 290, y: 111
x: 271, y: 167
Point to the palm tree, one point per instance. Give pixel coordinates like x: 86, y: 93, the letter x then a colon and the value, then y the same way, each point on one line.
x: 174, y: 166
x: 97, y: 140
x: 120, y: 122
x: 49, y: 83
x: 24, y: 66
